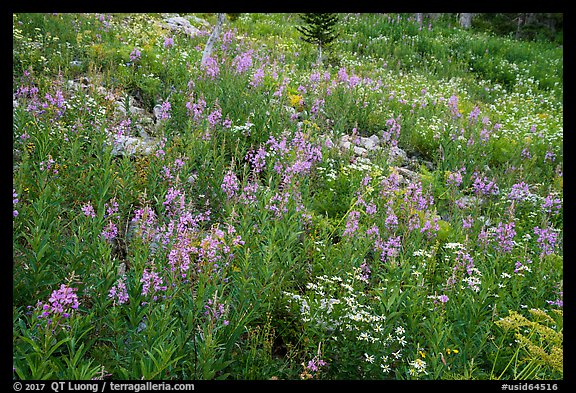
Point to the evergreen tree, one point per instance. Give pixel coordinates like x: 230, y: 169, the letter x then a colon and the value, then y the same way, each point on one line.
x: 319, y: 29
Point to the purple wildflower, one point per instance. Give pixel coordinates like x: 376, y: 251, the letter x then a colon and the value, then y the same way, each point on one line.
x: 196, y: 109
x: 152, y: 283
x: 546, y: 240
x: 484, y: 185
x: 552, y: 204
x: 14, y: 201
x: 243, y: 61
x: 474, y: 114
x: 215, y: 117
x: 351, y: 223
x: 258, y: 77
x: 230, y: 184
x: 504, y: 236
x: 453, y: 104
x: 342, y: 75
x: 63, y: 302
x: 88, y: 210
x: 135, y: 55
x: 210, y: 67
x: 257, y: 159
x: 248, y: 195
x: 164, y: 110
x: 118, y: 292
x: 519, y: 192
x: 110, y: 231
x: 168, y: 42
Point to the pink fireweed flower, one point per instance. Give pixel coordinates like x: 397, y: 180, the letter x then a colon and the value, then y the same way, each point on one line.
x: 118, y: 292
x: 258, y: 77
x: 168, y: 42
x: 165, y: 109
x: 257, y: 159
x: 230, y: 184
x: 14, y: 201
x: 215, y: 117
x: 135, y: 55
x: 210, y: 67
x: 243, y: 61
x: 467, y: 222
x: 152, y: 283
x: 216, y: 311
x: 552, y: 204
x: 248, y: 195
x: 196, y: 109
x: 504, y: 237
x: 111, y: 208
x: 519, y: 192
x: 546, y: 240
x: 62, y: 302
x: 351, y: 223
x: 389, y: 249
x: 110, y: 231
x: 484, y: 186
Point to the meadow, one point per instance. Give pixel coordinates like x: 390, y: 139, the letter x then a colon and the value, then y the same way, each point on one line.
x: 394, y: 213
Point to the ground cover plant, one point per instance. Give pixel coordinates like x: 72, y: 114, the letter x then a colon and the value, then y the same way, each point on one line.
x: 393, y: 212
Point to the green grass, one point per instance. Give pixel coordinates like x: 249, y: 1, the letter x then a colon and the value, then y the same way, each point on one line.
x: 250, y: 248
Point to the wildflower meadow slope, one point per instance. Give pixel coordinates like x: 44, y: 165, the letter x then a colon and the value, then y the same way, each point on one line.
x: 394, y: 212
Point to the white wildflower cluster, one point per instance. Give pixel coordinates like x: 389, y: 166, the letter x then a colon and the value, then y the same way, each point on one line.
x: 338, y: 307
x: 365, y: 166
x: 328, y: 167
x: 417, y: 368
x: 243, y: 129
x: 473, y: 280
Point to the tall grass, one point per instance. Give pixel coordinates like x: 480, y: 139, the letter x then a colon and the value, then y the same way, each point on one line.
x: 248, y: 244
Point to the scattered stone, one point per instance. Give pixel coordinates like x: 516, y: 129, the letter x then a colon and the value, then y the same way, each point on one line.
x: 371, y: 143
x: 346, y: 145
x: 132, y: 108
x: 397, y: 156
x: 360, y: 151
x: 406, y: 175
x: 180, y: 24
x: 131, y: 146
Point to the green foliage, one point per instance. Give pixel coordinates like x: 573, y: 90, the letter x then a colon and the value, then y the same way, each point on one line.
x: 254, y: 241
x: 319, y: 28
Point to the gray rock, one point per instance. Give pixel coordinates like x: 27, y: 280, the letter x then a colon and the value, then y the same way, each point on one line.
x: 397, y: 156
x: 134, y: 110
x: 132, y: 146
x: 369, y: 143
x: 180, y: 24
x: 360, y: 150
x: 345, y: 145
x: 407, y: 174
